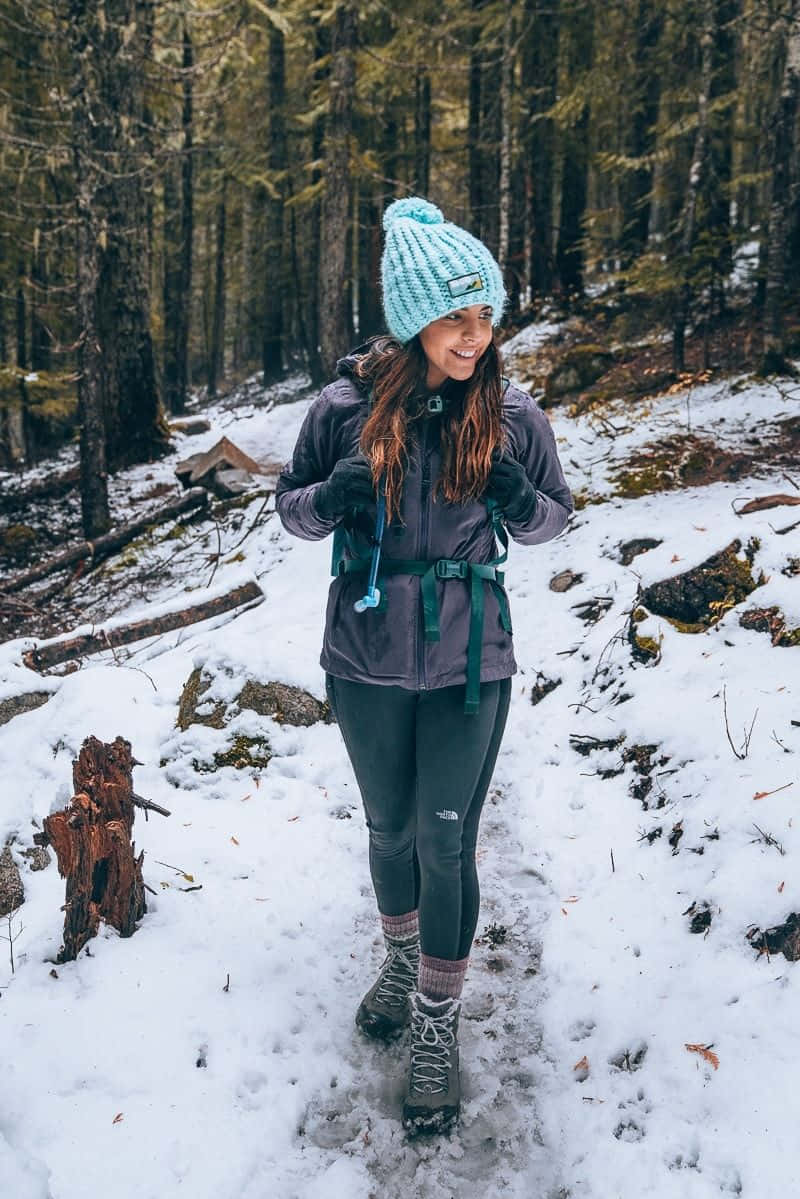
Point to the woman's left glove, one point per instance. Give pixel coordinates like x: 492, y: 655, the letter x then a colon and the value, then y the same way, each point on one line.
x: 511, y: 489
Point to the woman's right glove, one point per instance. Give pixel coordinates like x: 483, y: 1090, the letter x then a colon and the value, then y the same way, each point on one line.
x: 511, y: 489
x: 349, y: 485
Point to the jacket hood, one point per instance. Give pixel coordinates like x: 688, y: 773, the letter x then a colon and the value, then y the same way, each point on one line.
x: 345, y: 366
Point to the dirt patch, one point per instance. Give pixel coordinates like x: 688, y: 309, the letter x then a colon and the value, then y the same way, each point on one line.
x: 783, y: 938
x: 686, y: 460
x: 772, y: 621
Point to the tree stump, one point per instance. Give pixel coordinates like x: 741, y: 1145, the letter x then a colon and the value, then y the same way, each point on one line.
x: 92, y: 841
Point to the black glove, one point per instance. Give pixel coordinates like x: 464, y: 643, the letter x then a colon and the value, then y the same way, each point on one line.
x: 349, y: 485
x: 511, y: 489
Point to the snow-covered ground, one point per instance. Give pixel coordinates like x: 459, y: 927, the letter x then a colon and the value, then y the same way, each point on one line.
x: 608, y: 1052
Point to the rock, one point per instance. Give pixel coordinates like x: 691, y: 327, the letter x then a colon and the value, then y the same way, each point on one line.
x: 698, y: 598
x: 38, y: 857
x: 577, y: 368
x: 190, y: 425
x: 287, y: 705
x: 12, y: 892
x: 278, y: 701
x: 190, y: 702
x: 15, y: 705
x: 564, y: 580
x: 628, y: 550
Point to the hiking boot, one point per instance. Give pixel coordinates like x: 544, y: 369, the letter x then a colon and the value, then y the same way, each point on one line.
x: 383, y: 1012
x: 434, y: 1090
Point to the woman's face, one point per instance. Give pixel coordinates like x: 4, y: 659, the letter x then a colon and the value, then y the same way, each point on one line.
x: 455, y: 342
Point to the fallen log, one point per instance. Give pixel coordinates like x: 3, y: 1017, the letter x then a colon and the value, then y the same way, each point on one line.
x: 92, y: 841
x: 51, y: 653
x: 767, y: 501
x: 109, y: 542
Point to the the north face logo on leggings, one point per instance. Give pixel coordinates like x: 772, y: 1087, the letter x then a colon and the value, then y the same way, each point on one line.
x: 447, y: 815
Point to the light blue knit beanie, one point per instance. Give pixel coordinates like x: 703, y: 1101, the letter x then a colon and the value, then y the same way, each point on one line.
x: 430, y: 267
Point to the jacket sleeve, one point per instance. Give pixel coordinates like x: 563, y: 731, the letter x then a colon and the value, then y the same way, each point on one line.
x: 532, y: 442
x: 312, y: 461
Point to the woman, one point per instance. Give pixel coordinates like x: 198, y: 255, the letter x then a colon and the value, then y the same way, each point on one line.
x: 422, y: 425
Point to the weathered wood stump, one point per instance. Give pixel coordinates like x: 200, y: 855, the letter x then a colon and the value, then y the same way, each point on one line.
x: 92, y: 841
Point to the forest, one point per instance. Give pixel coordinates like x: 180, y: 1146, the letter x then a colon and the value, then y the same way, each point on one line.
x: 192, y: 191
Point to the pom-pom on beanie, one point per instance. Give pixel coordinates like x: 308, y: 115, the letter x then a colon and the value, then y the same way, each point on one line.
x: 430, y: 267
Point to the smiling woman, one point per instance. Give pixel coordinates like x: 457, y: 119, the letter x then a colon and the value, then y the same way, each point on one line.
x: 422, y: 436
x: 455, y: 342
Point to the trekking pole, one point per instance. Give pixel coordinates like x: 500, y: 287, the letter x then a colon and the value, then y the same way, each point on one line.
x: 373, y: 596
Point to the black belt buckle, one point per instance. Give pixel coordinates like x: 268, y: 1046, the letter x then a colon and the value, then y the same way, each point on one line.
x: 451, y: 568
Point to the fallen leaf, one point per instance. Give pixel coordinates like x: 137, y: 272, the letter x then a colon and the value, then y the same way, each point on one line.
x: 257, y: 781
x: 189, y: 877
x: 763, y: 794
x: 565, y: 912
x: 571, y: 899
x: 245, y: 797
x: 780, y: 887
x: 700, y: 528
x: 117, y: 1118
x: 675, y: 558
x: 235, y: 842
x: 705, y: 1053
x: 293, y: 818
x: 583, y: 1064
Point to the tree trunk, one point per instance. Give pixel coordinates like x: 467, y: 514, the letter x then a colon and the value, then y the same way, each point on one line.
x: 575, y: 167
x: 21, y: 309
x: 94, y: 476
x: 783, y: 143
x: 216, y: 356
x: 41, y: 357
x: 422, y: 129
x: 506, y: 116
x: 694, y: 185
x: 183, y: 314
x: 172, y: 299
x: 334, y: 279
x: 135, y: 426
x: 645, y: 89
x: 274, y: 290
x: 540, y: 71
x: 322, y: 51
x: 474, y: 147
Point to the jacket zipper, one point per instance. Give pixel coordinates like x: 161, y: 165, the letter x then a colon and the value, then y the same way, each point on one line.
x: 423, y: 549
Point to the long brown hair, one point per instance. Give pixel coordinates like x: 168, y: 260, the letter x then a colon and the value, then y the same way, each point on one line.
x: 471, y: 426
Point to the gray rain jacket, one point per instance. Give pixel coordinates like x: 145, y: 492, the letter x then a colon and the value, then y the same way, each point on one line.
x: 388, y: 646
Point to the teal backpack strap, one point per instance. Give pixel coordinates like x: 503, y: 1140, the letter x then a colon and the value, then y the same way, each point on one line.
x: 341, y: 541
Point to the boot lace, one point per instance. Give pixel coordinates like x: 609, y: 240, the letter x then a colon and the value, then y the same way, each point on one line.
x: 398, y: 974
x: 432, y: 1038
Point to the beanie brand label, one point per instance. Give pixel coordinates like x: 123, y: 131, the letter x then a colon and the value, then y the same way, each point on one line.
x: 464, y: 284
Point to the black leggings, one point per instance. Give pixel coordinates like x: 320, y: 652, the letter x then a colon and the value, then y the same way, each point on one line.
x: 423, y: 769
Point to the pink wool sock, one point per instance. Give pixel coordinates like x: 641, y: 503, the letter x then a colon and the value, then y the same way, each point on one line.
x: 401, y: 926
x: 441, y: 979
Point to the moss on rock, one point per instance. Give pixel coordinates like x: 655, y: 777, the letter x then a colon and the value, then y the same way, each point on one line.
x: 697, y: 599
x: 244, y: 753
